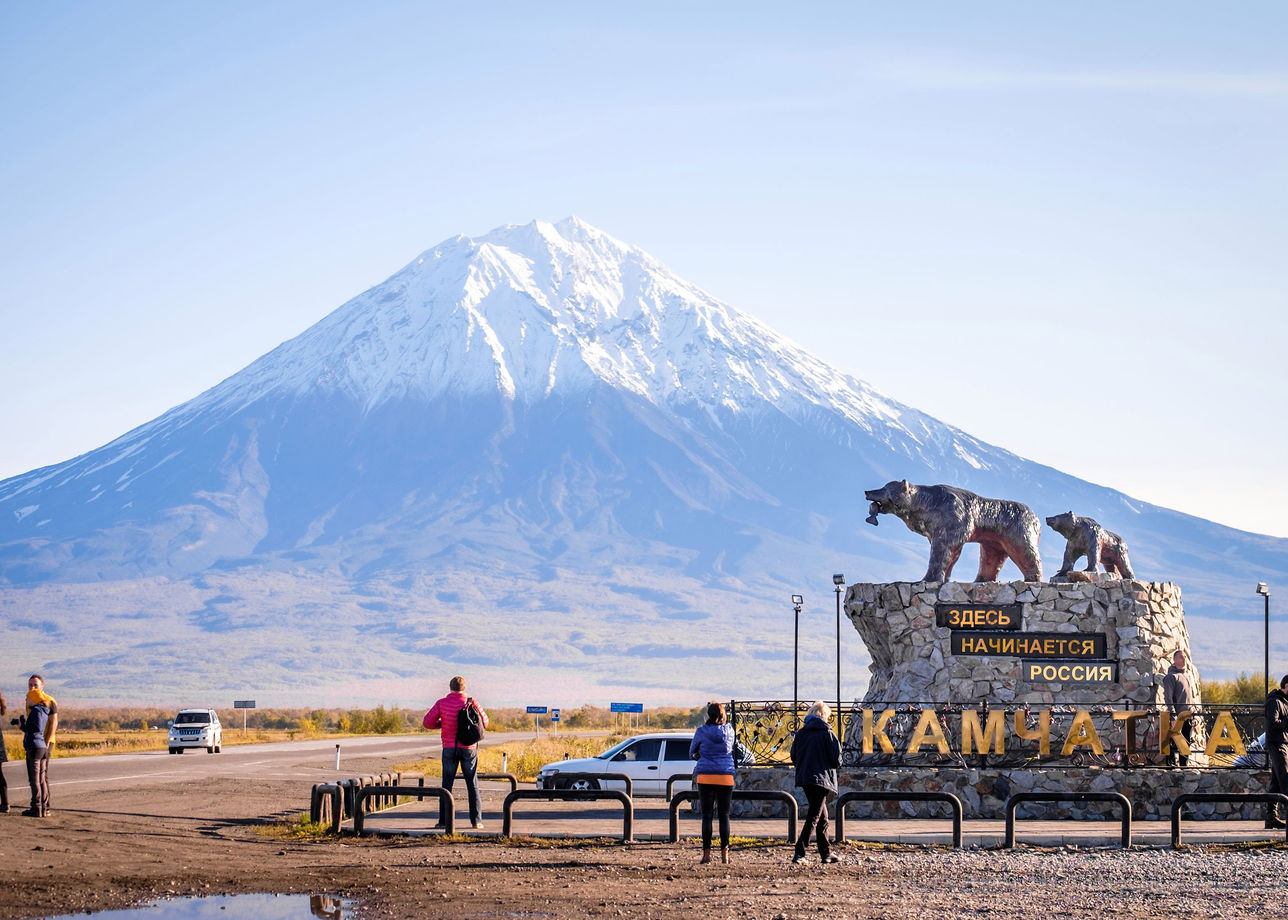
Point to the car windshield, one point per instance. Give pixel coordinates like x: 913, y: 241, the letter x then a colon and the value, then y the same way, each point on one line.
x: 191, y: 718
x: 608, y: 754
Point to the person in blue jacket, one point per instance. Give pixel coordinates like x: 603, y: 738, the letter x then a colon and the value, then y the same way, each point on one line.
x: 712, y: 748
x: 816, y: 753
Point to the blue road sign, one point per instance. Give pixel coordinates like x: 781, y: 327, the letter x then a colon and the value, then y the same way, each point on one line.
x: 537, y: 709
x: 625, y: 707
x: 554, y: 715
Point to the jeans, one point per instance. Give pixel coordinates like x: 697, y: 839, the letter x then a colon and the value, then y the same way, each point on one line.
x: 816, y: 796
x: 715, y: 798
x: 38, y: 777
x: 468, y: 760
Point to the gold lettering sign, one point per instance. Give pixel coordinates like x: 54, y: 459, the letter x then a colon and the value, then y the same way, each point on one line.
x: 1069, y: 672
x: 1028, y: 645
x: 990, y: 738
x: 957, y: 616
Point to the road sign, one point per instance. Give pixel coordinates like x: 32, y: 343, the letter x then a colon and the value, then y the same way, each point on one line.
x: 537, y: 709
x: 243, y: 704
x: 554, y: 715
x: 625, y: 707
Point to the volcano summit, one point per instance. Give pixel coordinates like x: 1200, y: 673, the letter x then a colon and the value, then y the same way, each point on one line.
x: 538, y: 457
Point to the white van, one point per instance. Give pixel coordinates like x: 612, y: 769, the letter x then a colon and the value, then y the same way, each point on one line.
x: 196, y: 728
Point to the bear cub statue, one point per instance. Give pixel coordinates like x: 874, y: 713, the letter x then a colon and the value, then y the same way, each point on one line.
x: 1088, y: 538
x: 950, y: 517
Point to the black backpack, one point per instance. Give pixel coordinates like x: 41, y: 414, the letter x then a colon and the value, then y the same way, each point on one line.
x: 469, y: 724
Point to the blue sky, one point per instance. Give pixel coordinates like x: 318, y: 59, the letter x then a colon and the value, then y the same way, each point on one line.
x: 1060, y: 228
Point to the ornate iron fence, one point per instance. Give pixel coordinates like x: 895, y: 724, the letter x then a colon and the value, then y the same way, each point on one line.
x: 975, y: 734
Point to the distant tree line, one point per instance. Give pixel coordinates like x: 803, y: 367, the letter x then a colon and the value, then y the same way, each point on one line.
x: 377, y: 721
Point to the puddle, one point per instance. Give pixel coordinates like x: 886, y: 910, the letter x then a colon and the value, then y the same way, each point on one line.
x: 233, y: 907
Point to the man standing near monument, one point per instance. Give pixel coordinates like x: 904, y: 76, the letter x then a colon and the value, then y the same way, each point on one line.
x: 1179, y: 695
x: 1277, y: 745
x: 444, y: 715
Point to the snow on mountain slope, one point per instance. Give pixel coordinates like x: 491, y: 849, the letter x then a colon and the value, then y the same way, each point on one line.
x: 543, y: 431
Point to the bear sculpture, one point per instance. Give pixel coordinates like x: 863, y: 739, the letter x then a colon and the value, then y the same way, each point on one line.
x: 950, y: 517
x: 1088, y: 538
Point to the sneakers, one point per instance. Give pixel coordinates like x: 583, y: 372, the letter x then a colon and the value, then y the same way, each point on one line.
x: 830, y: 859
x: 477, y: 825
x: 33, y: 813
x: 800, y: 858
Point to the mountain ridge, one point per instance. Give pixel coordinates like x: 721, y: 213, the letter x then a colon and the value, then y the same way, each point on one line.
x: 546, y: 406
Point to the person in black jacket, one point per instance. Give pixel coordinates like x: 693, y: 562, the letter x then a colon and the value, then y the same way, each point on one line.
x: 816, y: 753
x: 1277, y: 745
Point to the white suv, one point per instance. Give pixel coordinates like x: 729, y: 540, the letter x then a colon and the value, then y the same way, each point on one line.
x: 196, y: 728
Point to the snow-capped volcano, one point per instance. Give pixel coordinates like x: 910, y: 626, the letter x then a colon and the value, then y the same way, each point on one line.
x: 541, y: 432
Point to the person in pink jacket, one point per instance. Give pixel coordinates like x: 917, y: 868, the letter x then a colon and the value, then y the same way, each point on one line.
x: 443, y: 715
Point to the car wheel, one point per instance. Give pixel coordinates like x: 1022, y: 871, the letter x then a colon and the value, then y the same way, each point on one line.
x: 576, y: 784
x: 172, y: 751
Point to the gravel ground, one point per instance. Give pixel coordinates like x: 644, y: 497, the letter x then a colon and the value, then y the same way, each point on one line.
x: 122, y: 847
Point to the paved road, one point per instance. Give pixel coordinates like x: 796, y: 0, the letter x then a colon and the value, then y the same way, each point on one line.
x: 309, y: 761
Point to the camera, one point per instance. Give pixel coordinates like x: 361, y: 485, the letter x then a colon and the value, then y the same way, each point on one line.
x: 21, y: 722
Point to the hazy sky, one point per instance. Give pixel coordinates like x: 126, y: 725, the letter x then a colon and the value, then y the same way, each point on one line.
x: 1058, y: 227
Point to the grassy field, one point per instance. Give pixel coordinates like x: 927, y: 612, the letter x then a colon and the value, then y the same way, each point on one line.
x: 525, y: 758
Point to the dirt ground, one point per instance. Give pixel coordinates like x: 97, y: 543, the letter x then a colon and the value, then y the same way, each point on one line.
x: 118, y: 848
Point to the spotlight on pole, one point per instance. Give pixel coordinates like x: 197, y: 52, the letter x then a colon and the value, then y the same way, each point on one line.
x: 1264, y: 590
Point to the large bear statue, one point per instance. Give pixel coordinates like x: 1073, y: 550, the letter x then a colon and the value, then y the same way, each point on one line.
x: 1088, y: 538
x: 950, y: 517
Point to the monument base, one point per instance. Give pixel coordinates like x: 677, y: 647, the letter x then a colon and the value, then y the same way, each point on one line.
x: 1011, y: 642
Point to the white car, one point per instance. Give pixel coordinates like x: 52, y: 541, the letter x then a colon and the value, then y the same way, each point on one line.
x: 649, y: 760
x: 196, y: 728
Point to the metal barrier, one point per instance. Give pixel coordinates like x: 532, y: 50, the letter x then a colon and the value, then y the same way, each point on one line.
x: 596, y: 777
x: 446, y: 807
x: 1270, y: 798
x: 570, y: 795
x: 946, y: 797
x: 676, y: 778
x: 513, y: 780
x: 1021, y: 797
x: 335, y: 797
x: 743, y: 795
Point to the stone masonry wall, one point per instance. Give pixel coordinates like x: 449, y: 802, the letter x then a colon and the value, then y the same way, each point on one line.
x: 912, y: 661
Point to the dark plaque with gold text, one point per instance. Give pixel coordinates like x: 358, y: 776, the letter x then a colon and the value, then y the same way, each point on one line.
x: 1029, y: 644
x: 965, y: 616
x: 1069, y: 672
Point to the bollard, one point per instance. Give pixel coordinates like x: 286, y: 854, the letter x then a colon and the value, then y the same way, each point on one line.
x: 505, y: 762
x: 337, y: 757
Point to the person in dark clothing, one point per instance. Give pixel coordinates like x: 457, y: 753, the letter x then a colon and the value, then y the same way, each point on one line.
x: 4, y: 756
x: 1277, y: 745
x: 816, y: 753
x: 38, y: 741
x: 1179, y: 694
x: 712, y: 748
